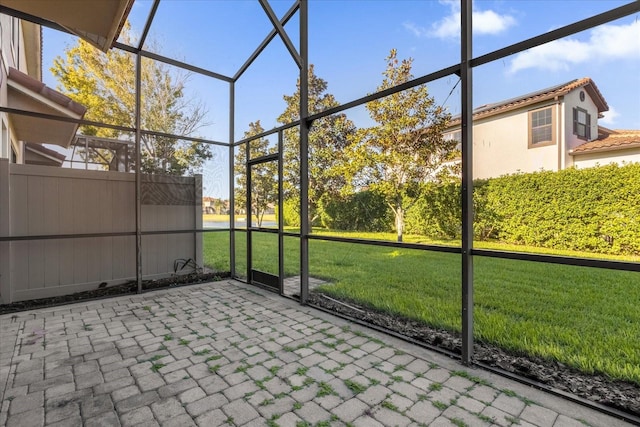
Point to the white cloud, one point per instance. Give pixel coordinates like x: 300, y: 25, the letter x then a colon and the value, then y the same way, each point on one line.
x: 484, y: 22
x: 606, y: 42
x: 490, y: 22
x: 416, y: 30
x: 609, y: 117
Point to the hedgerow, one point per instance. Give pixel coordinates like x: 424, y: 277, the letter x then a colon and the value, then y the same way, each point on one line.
x: 437, y: 212
x: 362, y: 211
x: 595, y: 209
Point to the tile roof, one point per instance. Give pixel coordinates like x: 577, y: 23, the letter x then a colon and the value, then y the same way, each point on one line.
x: 44, y: 90
x: 610, y: 140
x: 39, y: 149
x: 539, y: 96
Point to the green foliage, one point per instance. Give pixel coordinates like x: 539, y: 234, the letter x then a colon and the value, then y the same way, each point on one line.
x: 595, y: 209
x: 437, y: 211
x: 362, y: 211
x: 527, y: 307
x: 264, y: 176
x: 440, y: 405
x: 355, y: 386
x: 291, y: 212
x: 105, y: 84
x: 157, y: 366
x: 407, y: 147
x: 328, y: 138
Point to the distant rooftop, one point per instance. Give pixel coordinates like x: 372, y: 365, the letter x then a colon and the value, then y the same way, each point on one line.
x: 610, y: 140
x: 488, y: 110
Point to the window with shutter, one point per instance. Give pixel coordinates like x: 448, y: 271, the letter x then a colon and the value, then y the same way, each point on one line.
x: 581, y: 124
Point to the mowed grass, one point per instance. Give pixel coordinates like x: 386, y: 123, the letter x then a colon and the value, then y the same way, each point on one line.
x: 226, y: 218
x: 584, y: 317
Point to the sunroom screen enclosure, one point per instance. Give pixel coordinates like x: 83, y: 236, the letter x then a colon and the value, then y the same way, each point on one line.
x: 293, y: 248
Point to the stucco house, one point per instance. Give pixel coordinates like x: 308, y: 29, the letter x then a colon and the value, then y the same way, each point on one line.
x: 550, y: 129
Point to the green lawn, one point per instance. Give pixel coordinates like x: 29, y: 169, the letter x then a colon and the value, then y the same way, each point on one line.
x: 584, y: 317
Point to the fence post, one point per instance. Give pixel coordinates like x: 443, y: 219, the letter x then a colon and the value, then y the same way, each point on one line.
x: 198, y: 255
x: 6, y: 286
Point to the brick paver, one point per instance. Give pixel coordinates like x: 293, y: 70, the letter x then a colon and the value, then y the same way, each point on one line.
x: 228, y: 354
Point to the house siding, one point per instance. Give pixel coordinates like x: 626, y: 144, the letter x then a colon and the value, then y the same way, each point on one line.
x: 501, y: 145
x: 502, y: 142
x: 571, y: 141
x: 12, y: 54
x: 589, y: 160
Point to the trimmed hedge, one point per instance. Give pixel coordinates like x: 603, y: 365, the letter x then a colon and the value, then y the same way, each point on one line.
x: 595, y: 209
x: 363, y: 211
x: 438, y: 211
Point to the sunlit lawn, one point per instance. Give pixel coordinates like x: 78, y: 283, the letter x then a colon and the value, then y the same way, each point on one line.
x: 225, y: 218
x: 585, y: 317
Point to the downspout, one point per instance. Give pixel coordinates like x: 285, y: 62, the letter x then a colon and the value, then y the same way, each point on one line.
x: 560, y: 133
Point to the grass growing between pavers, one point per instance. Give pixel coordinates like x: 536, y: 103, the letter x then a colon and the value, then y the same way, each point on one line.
x: 584, y: 317
x: 264, y: 379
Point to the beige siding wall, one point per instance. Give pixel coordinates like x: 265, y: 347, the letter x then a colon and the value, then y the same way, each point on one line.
x: 51, y: 201
x: 589, y: 160
x: 571, y: 101
x: 6, y: 60
x: 12, y: 54
x: 501, y: 146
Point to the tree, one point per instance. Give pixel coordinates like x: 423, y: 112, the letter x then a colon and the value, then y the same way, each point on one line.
x: 328, y: 139
x: 105, y: 84
x: 264, y: 176
x: 406, y: 148
x: 219, y: 206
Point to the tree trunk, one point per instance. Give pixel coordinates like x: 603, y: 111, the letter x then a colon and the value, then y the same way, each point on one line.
x: 310, y: 224
x: 399, y: 222
x: 311, y: 217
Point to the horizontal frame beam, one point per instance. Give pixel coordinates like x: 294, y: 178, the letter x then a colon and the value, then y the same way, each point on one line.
x: 263, y: 159
x: 186, y: 138
x: 487, y: 253
x: 556, y: 259
x: 65, y: 119
x: 108, y: 126
x: 117, y: 234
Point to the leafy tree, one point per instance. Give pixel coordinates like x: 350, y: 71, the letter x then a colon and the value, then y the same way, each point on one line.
x: 264, y: 176
x: 105, y: 84
x: 328, y: 138
x: 407, y: 147
x: 219, y: 206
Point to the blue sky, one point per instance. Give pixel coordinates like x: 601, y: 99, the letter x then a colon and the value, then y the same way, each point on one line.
x: 349, y: 39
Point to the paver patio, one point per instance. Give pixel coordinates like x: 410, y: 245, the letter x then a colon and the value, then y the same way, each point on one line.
x: 226, y: 353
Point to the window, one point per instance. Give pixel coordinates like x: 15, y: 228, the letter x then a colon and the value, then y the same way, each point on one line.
x: 455, y: 135
x: 541, y: 129
x: 4, y: 142
x: 15, y: 38
x: 14, y: 155
x: 582, y: 124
